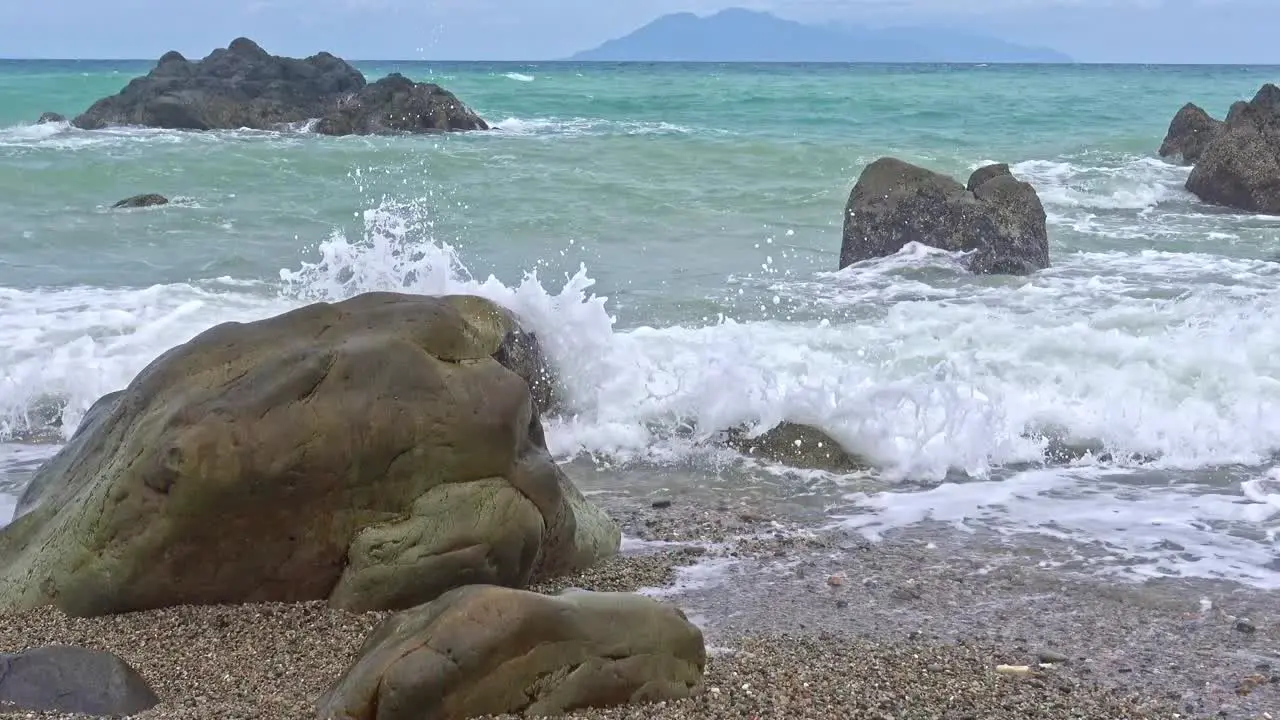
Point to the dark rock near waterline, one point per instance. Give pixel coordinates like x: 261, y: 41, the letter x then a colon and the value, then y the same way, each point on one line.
x: 242, y: 86
x: 1240, y: 166
x: 396, y: 104
x: 1190, y: 131
x: 481, y: 650
x: 64, y: 678
x: 372, y: 453
x: 141, y: 201
x: 998, y: 220
x: 51, y: 117
x: 985, y: 173
x: 798, y: 446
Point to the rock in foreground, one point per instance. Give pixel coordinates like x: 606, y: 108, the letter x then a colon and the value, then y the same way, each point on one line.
x: 141, y: 201
x: 62, y: 678
x: 1190, y: 131
x: 51, y: 117
x: 485, y: 651
x: 242, y: 86
x: 1240, y: 166
x: 997, y: 219
x: 372, y: 452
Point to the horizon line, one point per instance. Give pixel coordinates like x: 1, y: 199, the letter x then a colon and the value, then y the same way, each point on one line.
x: 570, y: 61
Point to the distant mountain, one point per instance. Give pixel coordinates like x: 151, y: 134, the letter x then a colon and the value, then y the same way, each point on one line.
x: 738, y: 35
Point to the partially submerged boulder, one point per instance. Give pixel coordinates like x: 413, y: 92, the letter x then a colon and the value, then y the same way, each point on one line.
x: 371, y: 452
x: 480, y: 651
x: 51, y: 117
x: 242, y: 86
x: 1190, y: 131
x: 396, y: 104
x: 141, y: 201
x: 797, y: 446
x: 1240, y: 167
x: 997, y: 219
x: 68, y: 679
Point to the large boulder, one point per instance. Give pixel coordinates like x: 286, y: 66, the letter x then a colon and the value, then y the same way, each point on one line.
x: 998, y: 220
x: 481, y: 651
x: 68, y: 679
x: 1190, y: 131
x: 1240, y: 166
x: 371, y: 452
x: 242, y: 86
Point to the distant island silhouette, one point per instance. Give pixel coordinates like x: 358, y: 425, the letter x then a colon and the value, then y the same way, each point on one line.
x: 740, y: 35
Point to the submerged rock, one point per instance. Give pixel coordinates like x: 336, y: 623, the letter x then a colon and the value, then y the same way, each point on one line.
x: 798, y: 446
x: 51, y: 117
x: 480, y: 650
x: 997, y: 218
x: 67, y: 679
x: 1190, y: 131
x: 1240, y: 167
x: 374, y: 452
x: 141, y: 201
x: 242, y: 86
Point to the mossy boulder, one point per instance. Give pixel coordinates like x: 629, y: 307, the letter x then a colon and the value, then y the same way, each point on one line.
x: 482, y: 650
x: 373, y: 452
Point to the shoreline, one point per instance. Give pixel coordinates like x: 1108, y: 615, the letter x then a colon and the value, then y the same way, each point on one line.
x: 798, y: 622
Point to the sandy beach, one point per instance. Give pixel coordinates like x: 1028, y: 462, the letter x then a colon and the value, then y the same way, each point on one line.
x: 799, y: 623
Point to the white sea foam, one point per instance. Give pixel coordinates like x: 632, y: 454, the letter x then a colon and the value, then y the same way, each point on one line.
x: 1163, y: 531
x: 950, y: 380
x: 519, y: 76
x: 1136, y: 183
x: 77, y: 344
x: 1162, y: 354
x: 554, y: 126
x: 63, y: 137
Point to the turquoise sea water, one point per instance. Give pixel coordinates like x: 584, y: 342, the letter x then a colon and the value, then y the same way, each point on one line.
x: 683, y: 222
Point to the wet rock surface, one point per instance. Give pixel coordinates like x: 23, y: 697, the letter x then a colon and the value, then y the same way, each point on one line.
x: 243, y: 86
x: 996, y: 218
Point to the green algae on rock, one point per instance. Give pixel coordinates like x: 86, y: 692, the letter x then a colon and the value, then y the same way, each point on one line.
x: 371, y: 452
x: 485, y: 650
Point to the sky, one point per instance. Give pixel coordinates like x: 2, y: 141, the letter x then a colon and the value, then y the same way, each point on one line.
x: 1125, y: 31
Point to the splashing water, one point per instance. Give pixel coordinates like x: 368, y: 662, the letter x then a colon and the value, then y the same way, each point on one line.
x: 906, y: 360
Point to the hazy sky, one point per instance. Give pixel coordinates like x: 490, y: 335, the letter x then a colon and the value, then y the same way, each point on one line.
x: 1226, y: 31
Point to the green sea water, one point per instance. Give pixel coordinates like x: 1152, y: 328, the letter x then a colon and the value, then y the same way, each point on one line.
x: 683, y: 226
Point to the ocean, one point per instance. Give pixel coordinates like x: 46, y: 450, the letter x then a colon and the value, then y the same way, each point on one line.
x: 672, y: 233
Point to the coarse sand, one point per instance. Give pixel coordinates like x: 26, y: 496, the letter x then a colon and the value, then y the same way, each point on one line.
x: 801, y: 626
